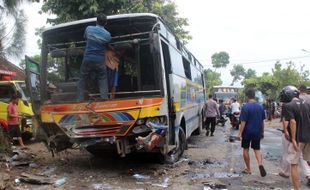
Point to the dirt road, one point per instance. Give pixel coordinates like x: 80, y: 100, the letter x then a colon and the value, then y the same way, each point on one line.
x: 209, y: 163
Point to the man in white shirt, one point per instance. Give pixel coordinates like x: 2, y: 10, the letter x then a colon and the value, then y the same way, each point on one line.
x: 235, y: 106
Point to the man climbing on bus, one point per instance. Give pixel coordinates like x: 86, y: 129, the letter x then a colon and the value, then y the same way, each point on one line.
x: 97, y: 37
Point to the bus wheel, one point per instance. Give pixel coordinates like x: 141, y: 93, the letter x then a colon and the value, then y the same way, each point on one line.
x: 176, y: 153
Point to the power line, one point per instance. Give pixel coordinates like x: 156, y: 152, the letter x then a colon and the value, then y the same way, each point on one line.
x: 267, y: 60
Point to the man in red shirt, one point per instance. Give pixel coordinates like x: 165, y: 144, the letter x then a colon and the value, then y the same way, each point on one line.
x: 13, y: 120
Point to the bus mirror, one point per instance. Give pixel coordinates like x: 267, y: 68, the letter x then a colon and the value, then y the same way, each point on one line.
x: 58, y: 53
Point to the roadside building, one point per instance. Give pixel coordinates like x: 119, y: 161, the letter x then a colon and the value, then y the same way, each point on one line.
x: 9, y: 71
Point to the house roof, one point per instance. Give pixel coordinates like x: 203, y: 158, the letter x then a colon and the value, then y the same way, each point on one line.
x: 6, y: 65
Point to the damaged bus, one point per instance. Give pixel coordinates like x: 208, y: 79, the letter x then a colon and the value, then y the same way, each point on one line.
x: 158, y: 102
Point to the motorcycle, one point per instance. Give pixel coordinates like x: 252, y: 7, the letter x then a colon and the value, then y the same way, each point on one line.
x: 234, y: 120
x: 221, y: 120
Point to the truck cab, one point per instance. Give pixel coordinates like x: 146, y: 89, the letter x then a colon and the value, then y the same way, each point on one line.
x: 9, y: 87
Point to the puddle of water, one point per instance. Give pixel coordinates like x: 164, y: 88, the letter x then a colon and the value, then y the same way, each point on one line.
x: 272, y: 152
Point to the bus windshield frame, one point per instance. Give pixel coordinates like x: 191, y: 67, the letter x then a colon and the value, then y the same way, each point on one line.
x: 135, y: 43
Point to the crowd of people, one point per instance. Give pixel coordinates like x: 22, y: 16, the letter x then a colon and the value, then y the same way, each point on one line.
x: 295, y: 117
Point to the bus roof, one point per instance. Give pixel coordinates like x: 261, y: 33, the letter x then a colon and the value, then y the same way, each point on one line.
x: 89, y: 20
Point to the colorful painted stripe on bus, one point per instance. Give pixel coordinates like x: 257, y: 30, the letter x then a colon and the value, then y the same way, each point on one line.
x: 106, y: 117
x: 99, y: 118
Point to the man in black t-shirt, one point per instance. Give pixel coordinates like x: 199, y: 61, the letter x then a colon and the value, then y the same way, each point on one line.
x: 297, y: 114
x: 304, y: 131
x: 291, y: 113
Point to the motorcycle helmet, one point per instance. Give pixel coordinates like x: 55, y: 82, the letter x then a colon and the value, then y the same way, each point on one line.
x: 288, y: 93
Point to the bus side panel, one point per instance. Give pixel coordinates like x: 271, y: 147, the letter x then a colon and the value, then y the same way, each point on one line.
x: 188, y: 102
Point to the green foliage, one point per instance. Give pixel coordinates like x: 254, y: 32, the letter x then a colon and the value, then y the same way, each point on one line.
x: 220, y: 59
x: 271, y: 84
x: 211, y: 78
x: 249, y: 73
x: 237, y: 72
x: 71, y: 10
x: 12, y: 36
x: 56, y: 68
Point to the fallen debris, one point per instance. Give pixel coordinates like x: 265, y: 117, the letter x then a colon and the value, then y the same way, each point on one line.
x: 141, y: 177
x: 4, y: 177
x: 33, y: 179
x: 164, y: 184
x: 60, y: 182
x: 214, y: 186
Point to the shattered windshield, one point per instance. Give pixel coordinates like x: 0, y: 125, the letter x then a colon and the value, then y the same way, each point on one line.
x: 132, y: 60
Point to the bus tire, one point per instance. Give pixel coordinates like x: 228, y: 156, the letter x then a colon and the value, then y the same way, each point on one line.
x: 198, y: 131
x: 175, y: 154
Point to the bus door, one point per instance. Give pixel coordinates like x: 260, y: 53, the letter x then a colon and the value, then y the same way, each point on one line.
x: 33, y: 83
x: 172, y: 114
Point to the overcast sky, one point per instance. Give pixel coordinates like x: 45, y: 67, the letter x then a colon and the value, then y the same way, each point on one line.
x: 251, y: 32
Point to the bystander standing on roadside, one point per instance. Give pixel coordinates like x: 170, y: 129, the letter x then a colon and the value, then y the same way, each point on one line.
x: 304, y: 132
x: 211, y: 112
x: 285, y: 165
x: 252, y: 131
x: 296, y: 111
x: 14, y: 120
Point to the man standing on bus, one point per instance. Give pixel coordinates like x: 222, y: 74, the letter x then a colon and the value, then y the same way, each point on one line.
x: 211, y: 112
x: 97, y: 38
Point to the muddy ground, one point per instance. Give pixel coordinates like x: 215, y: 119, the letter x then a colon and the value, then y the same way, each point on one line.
x: 209, y: 163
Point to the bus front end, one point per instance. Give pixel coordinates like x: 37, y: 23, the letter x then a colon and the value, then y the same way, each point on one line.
x: 93, y: 124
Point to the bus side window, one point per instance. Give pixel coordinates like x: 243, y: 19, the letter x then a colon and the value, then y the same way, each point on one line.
x: 176, y: 62
x: 166, y: 57
x: 187, y: 69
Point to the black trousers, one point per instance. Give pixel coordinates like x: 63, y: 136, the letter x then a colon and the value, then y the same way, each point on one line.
x: 212, y: 121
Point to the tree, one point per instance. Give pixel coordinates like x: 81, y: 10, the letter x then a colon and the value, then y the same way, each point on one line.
x: 220, y: 59
x: 70, y: 10
x: 237, y: 73
x: 270, y: 84
x: 211, y: 78
x: 56, y: 68
x: 249, y: 73
x: 12, y: 37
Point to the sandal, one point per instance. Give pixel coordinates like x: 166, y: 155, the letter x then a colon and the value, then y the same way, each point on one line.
x: 246, y: 171
x: 262, y: 171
